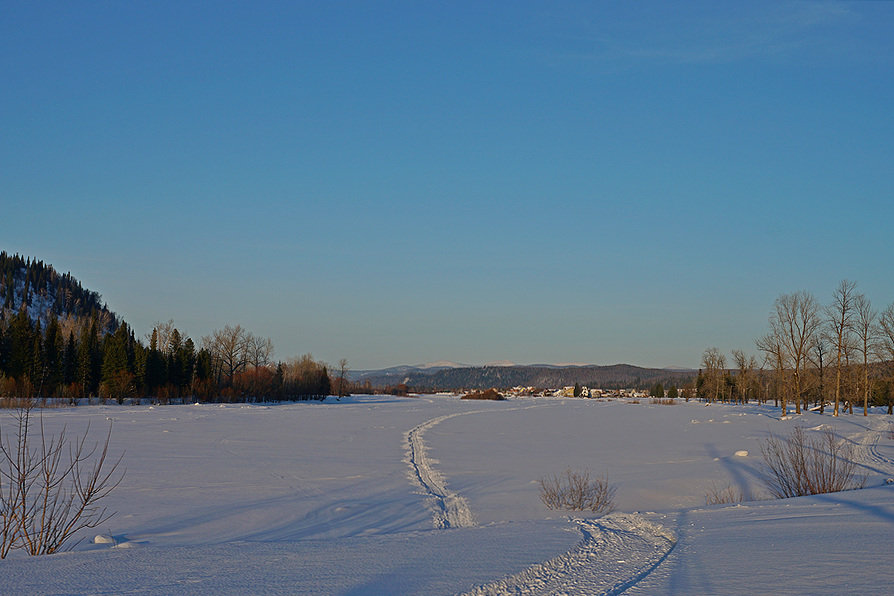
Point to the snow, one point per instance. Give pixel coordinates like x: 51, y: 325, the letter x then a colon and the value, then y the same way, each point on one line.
x: 436, y: 495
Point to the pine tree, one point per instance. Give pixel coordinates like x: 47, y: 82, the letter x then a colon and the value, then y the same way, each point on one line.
x: 37, y: 372
x: 52, y: 354
x: 4, y: 347
x: 70, y: 360
x: 114, y: 350
x: 90, y: 358
x: 155, y: 365
x: 21, y: 345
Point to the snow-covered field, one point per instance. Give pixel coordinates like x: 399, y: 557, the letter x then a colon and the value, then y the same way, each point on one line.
x: 433, y: 495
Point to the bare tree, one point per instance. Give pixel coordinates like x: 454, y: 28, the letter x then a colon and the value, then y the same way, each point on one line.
x: 51, y: 490
x: 866, y: 332
x: 714, y: 363
x: 259, y: 350
x: 886, y: 342
x: 817, y: 355
x: 797, y: 317
x: 840, y: 315
x: 164, y: 331
x: 229, y: 349
x: 775, y: 356
x: 745, y: 378
x: 342, y: 378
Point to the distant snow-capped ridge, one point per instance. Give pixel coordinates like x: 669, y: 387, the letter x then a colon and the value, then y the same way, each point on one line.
x: 439, y: 364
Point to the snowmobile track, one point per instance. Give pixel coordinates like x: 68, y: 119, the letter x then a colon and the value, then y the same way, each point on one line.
x: 616, y: 553
x: 449, y: 509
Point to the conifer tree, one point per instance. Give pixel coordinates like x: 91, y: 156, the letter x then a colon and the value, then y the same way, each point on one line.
x: 21, y: 345
x: 70, y: 360
x: 155, y: 365
x: 36, y: 368
x: 52, y: 355
x: 90, y: 358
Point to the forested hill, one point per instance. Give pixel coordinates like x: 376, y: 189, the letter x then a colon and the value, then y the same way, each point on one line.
x: 44, y: 292
x: 540, y: 376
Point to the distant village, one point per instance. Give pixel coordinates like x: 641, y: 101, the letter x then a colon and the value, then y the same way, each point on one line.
x: 575, y: 391
x: 569, y: 391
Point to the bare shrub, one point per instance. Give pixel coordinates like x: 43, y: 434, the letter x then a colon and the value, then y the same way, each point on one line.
x: 809, y: 465
x: 50, y: 487
x: 663, y: 401
x: 575, y: 491
x: 724, y: 496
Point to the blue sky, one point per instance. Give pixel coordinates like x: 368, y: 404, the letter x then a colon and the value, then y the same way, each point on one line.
x: 402, y: 182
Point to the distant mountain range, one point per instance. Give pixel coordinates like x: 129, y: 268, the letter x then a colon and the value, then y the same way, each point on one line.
x: 450, y: 376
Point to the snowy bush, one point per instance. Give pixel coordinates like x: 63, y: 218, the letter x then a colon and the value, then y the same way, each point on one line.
x: 575, y: 491
x: 809, y: 465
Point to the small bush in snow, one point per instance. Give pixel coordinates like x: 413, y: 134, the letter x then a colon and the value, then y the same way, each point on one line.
x: 575, y: 491
x: 809, y: 465
x: 51, y: 486
x: 723, y: 496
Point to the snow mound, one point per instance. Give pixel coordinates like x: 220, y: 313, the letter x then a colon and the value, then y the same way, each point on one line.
x: 101, y: 539
x: 742, y: 453
x: 616, y: 552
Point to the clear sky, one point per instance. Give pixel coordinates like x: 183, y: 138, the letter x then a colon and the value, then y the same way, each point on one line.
x: 402, y: 182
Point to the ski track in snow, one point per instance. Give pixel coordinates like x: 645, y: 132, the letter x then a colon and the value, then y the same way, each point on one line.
x: 617, y: 552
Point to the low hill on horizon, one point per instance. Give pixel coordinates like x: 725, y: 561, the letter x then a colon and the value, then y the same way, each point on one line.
x: 453, y: 378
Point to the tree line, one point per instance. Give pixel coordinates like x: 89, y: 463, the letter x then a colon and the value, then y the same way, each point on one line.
x: 59, y: 340
x: 837, y: 354
x: 78, y: 360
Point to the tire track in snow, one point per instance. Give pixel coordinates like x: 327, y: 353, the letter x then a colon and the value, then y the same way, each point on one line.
x: 617, y: 552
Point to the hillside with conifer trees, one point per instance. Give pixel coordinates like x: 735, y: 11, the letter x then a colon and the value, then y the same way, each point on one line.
x: 59, y: 340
